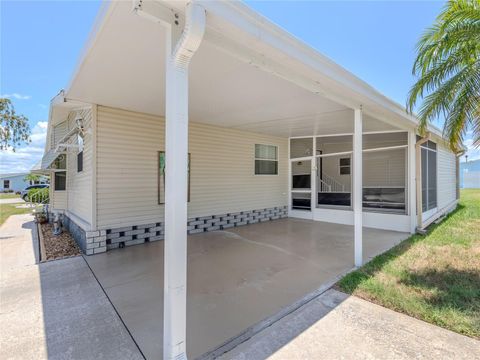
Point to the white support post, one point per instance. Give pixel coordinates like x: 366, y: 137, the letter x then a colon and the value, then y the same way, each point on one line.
x: 412, y: 185
x: 176, y: 175
x: 358, y: 187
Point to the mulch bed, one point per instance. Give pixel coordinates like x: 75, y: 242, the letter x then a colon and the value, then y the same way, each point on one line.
x: 56, y: 246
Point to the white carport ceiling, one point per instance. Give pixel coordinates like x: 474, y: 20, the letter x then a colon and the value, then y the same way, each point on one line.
x: 124, y: 68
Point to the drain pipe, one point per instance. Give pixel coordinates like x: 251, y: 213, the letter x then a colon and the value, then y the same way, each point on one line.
x: 418, y: 177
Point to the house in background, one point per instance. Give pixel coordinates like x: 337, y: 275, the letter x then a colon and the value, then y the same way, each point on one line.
x: 212, y: 121
x: 470, y: 174
x: 16, y: 182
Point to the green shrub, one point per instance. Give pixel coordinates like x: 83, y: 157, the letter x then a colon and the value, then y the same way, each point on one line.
x: 39, y: 195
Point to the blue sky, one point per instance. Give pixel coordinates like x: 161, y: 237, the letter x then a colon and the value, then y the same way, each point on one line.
x: 41, y: 42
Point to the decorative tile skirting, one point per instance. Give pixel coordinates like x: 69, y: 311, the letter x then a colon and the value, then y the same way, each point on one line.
x: 94, y: 242
x: 139, y: 234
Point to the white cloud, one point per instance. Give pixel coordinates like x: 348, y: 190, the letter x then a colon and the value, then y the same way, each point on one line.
x: 26, y: 156
x: 16, y: 96
x: 43, y: 106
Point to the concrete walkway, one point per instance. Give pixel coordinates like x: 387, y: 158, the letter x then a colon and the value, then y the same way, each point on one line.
x: 338, y: 326
x: 11, y: 201
x: 53, y: 310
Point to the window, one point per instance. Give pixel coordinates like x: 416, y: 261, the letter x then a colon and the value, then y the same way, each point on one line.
x: 161, y: 178
x: 429, y: 176
x: 6, y: 184
x: 266, y: 159
x: 80, y: 153
x: 80, y: 161
x: 344, y: 166
x: 60, y: 180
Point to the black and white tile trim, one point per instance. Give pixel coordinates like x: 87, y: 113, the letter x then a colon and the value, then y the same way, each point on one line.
x: 103, y: 240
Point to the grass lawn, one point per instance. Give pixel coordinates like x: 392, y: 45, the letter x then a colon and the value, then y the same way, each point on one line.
x: 9, y: 209
x: 434, y: 277
x: 9, y: 196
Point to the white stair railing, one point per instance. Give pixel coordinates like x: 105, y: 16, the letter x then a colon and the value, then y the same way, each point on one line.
x: 323, y: 186
x: 329, y: 184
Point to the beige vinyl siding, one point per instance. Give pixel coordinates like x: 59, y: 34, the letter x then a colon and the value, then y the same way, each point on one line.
x: 446, y: 176
x: 58, y: 199
x: 222, y: 169
x: 79, y: 184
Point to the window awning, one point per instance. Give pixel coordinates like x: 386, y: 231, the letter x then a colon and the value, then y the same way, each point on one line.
x: 49, y: 158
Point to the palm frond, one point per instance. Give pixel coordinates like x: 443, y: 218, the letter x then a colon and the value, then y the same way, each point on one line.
x: 447, y: 67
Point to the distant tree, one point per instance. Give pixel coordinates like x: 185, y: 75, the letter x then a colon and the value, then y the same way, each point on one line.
x: 32, y: 178
x: 448, y: 71
x: 14, y: 128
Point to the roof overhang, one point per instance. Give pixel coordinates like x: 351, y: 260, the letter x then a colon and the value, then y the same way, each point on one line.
x: 248, y: 74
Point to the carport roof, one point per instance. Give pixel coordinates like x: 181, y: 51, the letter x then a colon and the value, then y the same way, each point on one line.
x: 248, y: 73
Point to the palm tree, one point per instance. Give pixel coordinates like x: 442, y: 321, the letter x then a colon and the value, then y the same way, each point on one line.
x: 448, y: 71
x: 32, y: 178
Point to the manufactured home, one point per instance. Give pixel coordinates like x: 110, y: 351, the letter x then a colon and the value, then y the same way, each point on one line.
x: 17, y: 182
x: 204, y: 123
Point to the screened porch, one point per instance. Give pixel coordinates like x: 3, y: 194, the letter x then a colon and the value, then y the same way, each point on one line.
x: 321, y: 172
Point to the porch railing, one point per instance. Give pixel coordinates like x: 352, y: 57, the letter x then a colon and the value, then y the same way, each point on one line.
x: 328, y: 184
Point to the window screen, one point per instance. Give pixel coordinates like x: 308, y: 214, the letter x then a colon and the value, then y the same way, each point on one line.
x: 266, y: 159
x: 301, y: 147
x: 6, y: 184
x: 334, y: 144
x: 60, y: 180
x: 376, y: 141
x: 429, y: 176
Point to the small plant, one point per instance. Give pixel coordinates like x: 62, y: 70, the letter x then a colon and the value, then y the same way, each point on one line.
x: 41, y: 217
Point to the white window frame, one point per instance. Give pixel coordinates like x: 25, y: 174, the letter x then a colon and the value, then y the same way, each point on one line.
x: 263, y: 159
x: 430, y: 212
